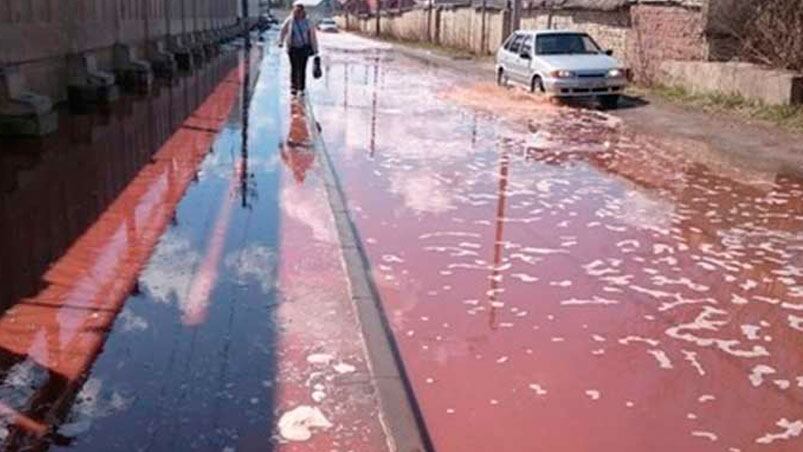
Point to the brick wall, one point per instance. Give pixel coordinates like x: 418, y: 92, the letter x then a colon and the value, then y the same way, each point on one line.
x: 662, y: 33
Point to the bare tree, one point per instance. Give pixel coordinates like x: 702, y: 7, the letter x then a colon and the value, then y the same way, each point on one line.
x: 773, y: 34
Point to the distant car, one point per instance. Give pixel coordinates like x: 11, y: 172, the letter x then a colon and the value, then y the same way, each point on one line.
x: 561, y: 63
x: 327, y: 25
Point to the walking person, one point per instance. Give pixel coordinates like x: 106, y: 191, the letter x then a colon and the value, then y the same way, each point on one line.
x: 299, y: 36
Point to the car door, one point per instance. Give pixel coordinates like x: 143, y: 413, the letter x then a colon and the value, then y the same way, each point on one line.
x: 524, y: 63
x: 513, y: 66
x: 503, y: 56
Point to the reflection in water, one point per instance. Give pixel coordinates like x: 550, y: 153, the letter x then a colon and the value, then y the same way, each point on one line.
x: 78, y: 225
x: 373, y: 106
x: 496, y: 262
x: 644, y: 286
x: 296, y: 151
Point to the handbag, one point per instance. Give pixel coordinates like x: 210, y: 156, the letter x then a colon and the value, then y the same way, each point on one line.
x: 316, y: 67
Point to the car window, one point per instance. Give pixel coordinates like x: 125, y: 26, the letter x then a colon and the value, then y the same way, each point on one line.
x: 565, y: 43
x: 516, y: 44
x: 509, y: 42
x: 527, y: 45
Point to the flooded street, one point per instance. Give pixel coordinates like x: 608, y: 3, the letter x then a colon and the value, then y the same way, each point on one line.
x: 174, y: 275
x: 172, y: 280
x: 557, y: 282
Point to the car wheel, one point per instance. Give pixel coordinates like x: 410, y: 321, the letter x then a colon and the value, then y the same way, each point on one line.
x: 501, y: 78
x: 537, y: 86
x: 609, y: 102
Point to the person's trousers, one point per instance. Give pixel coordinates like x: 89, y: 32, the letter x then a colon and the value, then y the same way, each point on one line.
x: 298, y: 67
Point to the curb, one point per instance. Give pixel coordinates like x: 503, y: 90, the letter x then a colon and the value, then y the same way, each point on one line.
x: 399, y: 411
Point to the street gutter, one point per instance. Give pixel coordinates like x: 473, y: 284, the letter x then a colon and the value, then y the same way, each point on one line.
x: 400, y: 414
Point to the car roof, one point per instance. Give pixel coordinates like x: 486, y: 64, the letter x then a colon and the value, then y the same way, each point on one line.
x: 551, y: 32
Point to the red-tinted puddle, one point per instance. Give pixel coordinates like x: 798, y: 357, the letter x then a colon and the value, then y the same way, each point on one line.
x: 559, y: 283
x: 172, y: 279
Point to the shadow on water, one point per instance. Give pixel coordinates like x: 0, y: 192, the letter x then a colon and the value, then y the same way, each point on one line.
x: 137, y: 273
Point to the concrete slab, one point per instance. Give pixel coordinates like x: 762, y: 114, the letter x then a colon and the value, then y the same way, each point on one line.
x: 88, y: 84
x: 23, y: 113
x: 133, y: 73
x: 750, y: 81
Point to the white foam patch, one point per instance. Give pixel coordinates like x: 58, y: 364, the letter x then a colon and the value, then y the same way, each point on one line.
x: 791, y: 430
x: 344, y: 368
x: 751, y: 332
x: 593, y: 394
x: 594, y: 301
x: 299, y: 423
x: 795, y: 322
x: 704, y: 322
x: 539, y: 390
x: 321, y: 359
x: 663, y: 360
x: 782, y: 384
x: 523, y: 277
x: 703, y: 434
x: 757, y: 374
x: 692, y: 358
x: 630, y: 339
x: 706, y: 398
x: 391, y: 258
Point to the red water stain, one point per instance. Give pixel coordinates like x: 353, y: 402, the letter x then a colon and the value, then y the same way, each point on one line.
x: 543, y: 192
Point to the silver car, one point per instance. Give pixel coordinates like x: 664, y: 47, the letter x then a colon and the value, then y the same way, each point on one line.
x: 327, y: 25
x: 561, y: 63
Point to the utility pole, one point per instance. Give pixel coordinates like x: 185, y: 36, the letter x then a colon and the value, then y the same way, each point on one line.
x: 378, y: 15
x: 515, y: 16
x: 482, y: 28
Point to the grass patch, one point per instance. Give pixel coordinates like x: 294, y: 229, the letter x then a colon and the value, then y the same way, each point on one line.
x: 786, y: 116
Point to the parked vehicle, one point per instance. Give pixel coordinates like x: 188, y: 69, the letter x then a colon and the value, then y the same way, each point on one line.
x: 327, y: 25
x: 561, y: 63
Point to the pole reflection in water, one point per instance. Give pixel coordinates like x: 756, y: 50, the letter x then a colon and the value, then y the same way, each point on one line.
x: 204, y: 281
x: 496, y: 274
x: 373, y: 106
x: 80, y: 222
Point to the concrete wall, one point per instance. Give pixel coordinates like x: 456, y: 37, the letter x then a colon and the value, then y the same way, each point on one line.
x: 768, y: 86
x: 609, y: 28
x: 641, y: 35
x: 37, y: 35
x: 455, y: 27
